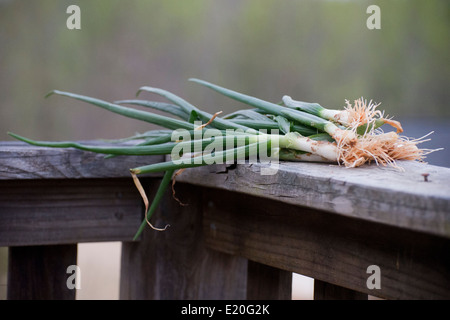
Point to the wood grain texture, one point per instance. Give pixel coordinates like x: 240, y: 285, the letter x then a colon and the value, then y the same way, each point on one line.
x: 175, y: 264
x: 36, y: 212
x: 378, y: 194
x: 21, y: 161
x: 268, y: 283
x: 328, y: 247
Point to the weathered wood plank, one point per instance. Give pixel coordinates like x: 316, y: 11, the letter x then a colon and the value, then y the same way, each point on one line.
x: 329, y: 247
x: 369, y: 192
x: 268, y: 283
x: 378, y: 194
x: 175, y: 264
x: 21, y: 161
x: 40, y: 272
x: 58, y: 211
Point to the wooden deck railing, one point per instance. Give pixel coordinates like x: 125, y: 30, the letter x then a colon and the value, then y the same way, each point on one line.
x: 241, y: 234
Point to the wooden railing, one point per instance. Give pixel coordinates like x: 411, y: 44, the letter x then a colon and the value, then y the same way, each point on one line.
x: 367, y: 231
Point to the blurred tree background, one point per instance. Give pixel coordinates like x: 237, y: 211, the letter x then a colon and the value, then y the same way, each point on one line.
x: 312, y: 50
x: 316, y: 50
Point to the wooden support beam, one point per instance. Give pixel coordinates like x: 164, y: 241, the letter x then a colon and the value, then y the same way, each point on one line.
x: 328, y: 247
x: 55, y: 196
x: 374, y: 193
x: 36, y: 212
x: 20, y: 161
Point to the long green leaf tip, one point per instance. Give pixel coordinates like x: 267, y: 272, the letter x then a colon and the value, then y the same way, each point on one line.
x: 160, y: 149
x: 162, y: 106
x: 163, y: 121
x: 218, y: 123
x: 272, y: 108
x: 139, y: 150
x: 255, y: 102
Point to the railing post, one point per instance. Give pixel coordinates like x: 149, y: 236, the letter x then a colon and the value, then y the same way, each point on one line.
x: 40, y: 272
x: 268, y: 283
x: 175, y: 264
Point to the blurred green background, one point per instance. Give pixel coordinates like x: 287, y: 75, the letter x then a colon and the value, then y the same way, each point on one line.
x: 319, y: 51
x: 313, y: 50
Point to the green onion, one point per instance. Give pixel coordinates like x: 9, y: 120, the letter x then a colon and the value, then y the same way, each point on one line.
x: 156, y: 200
x: 231, y: 154
x: 149, y: 135
x: 163, y: 121
x: 166, y: 107
x: 275, y: 109
x: 292, y: 130
x: 160, y: 149
x: 191, y: 109
x: 361, y: 115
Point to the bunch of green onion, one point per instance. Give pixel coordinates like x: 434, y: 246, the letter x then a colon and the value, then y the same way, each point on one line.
x: 292, y: 130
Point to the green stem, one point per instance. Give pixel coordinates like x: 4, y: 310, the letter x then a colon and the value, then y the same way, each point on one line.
x: 164, y: 121
x: 218, y: 123
x: 312, y: 108
x: 203, y: 160
x: 257, y: 125
x: 161, y: 106
x: 159, y: 149
x: 269, y: 107
x: 156, y: 200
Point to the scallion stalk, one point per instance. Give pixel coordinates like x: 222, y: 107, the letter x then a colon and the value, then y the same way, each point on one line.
x: 360, y: 115
x: 299, y: 116
x: 230, y: 154
x: 162, y: 106
x: 163, y: 121
x: 155, y: 203
x: 295, y: 131
x: 219, y: 123
x: 159, y: 149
